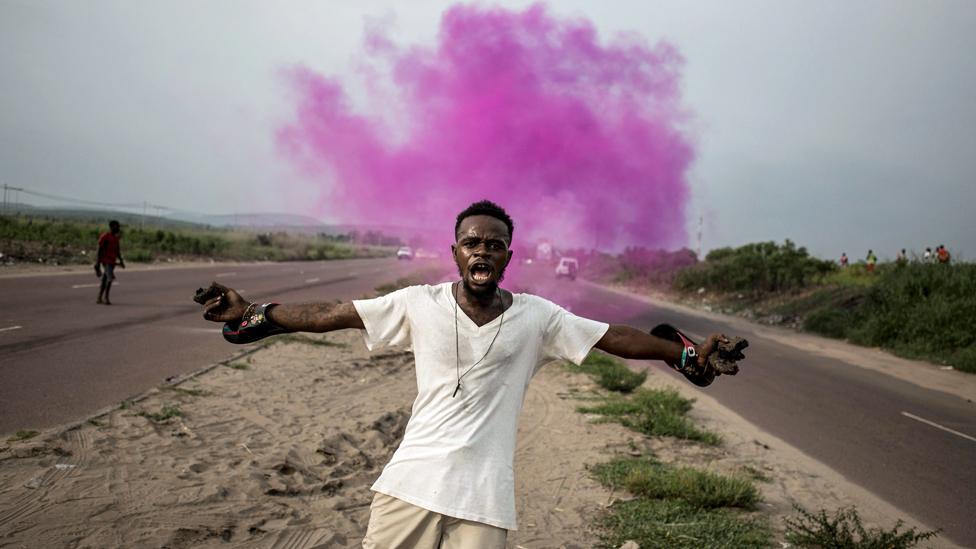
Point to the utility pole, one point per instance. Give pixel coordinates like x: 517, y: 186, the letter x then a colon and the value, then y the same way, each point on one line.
x: 9, y: 188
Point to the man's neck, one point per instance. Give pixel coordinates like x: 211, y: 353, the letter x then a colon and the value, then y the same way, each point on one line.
x: 477, y: 300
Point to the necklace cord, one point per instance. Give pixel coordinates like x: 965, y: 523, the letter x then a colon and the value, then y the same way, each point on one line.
x: 457, y: 339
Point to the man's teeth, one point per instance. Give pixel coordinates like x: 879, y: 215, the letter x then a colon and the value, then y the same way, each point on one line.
x: 480, y: 275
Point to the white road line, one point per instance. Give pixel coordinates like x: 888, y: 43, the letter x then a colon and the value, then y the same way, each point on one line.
x: 937, y: 426
x: 222, y: 275
x: 312, y: 280
x: 8, y: 328
x: 76, y: 286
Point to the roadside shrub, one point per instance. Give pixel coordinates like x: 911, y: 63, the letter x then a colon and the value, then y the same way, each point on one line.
x: 844, y: 529
x: 917, y: 310
x: 755, y: 268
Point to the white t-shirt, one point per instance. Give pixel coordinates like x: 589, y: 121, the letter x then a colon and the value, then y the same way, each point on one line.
x: 457, y: 453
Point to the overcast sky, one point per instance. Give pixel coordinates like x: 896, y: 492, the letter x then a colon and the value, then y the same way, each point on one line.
x: 840, y: 125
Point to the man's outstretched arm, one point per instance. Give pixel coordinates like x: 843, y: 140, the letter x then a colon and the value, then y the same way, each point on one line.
x: 627, y: 342
x: 230, y: 306
x: 316, y: 317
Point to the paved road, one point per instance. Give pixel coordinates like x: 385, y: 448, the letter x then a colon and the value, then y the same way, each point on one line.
x: 62, y: 357
x: 71, y: 357
x: 845, y: 416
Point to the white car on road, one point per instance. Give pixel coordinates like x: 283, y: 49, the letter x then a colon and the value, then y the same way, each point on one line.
x: 568, y: 267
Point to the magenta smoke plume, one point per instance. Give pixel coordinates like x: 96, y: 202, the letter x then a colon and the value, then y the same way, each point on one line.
x: 581, y: 142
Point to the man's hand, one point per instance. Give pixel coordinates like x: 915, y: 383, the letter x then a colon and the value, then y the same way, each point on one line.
x: 708, y: 347
x: 221, y: 304
x: 721, y: 353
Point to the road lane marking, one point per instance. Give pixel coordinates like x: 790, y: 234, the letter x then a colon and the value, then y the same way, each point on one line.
x: 95, y: 285
x: 222, y: 275
x: 8, y: 328
x: 937, y: 426
x: 312, y: 280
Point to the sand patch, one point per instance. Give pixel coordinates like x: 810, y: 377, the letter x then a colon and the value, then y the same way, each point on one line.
x: 280, y: 453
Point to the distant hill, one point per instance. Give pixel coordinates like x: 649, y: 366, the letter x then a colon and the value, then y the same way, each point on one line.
x: 256, y: 221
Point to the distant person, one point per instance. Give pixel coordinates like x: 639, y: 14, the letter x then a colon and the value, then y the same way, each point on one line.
x: 843, y: 259
x: 902, y: 257
x: 943, y: 255
x: 450, y: 483
x: 109, y: 254
x: 871, y: 260
x: 927, y: 256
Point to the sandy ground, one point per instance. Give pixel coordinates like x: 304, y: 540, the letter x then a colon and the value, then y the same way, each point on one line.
x: 281, y: 455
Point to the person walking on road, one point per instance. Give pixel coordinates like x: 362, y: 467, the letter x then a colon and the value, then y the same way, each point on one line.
x: 451, y: 482
x: 871, y: 261
x: 109, y: 254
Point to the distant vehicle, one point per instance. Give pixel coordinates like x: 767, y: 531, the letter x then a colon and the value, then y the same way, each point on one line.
x: 568, y: 267
x: 405, y: 252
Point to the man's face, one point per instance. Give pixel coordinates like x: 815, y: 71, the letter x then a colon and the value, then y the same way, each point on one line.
x: 482, y: 253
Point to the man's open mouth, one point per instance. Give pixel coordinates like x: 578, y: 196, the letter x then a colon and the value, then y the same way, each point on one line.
x: 480, y: 272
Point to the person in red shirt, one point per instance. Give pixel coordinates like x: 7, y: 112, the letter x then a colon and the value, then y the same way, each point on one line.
x: 109, y: 254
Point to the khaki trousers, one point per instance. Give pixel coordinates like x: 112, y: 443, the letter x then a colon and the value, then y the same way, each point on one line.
x: 396, y: 524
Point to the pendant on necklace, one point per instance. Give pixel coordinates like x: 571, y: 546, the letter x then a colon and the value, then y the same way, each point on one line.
x: 456, y: 389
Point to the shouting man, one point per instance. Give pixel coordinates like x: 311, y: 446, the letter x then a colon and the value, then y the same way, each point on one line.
x: 451, y: 483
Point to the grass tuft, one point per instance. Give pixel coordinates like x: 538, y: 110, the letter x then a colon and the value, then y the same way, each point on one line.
x: 648, y: 478
x: 238, y: 366
x: 653, y: 412
x: 671, y: 524
x: 844, y: 528
x: 23, y: 435
x: 610, y: 373
x: 167, y: 412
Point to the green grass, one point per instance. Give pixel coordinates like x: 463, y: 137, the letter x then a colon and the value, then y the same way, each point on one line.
x: 677, y: 507
x: 649, y: 478
x: 238, y: 366
x: 167, y: 412
x: 610, y: 373
x: 844, y: 529
x: 653, y: 412
x: 23, y: 435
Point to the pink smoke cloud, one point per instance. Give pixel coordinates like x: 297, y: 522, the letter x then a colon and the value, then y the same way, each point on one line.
x: 581, y: 142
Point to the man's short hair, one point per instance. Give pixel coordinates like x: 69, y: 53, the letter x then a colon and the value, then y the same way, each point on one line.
x: 489, y: 208
x: 114, y: 223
